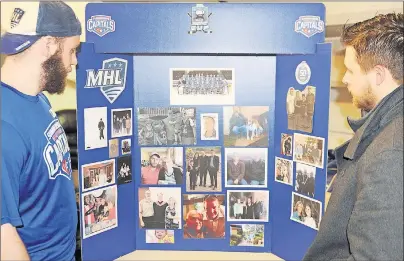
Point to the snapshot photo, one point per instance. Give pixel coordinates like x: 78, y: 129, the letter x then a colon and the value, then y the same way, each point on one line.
x: 202, y: 86
x: 209, y: 126
x: 126, y: 146
x: 245, y: 126
x: 113, y: 148
x: 204, y: 216
x: 305, y: 179
x: 300, y: 108
x: 286, y: 144
x: 203, y: 169
x: 308, y: 150
x: 162, y: 165
x: 246, y: 167
x: 95, y: 132
x: 160, y: 208
x: 247, y: 235
x: 159, y: 236
x: 284, y: 171
x: 124, y: 169
x: 167, y: 126
x: 98, y: 174
x: 306, y: 211
x: 121, y: 122
x: 248, y: 205
x: 99, y: 211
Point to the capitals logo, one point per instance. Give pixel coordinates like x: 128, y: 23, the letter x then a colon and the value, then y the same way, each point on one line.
x: 101, y: 25
x: 16, y: 17
x: 110, y: 79
x: 57, y: 151
x: 309, y: 25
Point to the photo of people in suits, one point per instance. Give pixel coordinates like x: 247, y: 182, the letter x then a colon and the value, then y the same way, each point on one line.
x: 306, y: 211
x: 95, y: 120
x: 305, y: 179
x: 308, y: 150
x: 300, y: 108
x: 121, y: 122
x: 248, y: 205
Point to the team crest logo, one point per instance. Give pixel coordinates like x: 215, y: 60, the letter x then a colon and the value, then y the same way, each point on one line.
x: 309, y: 25
x: 110, y: 79
x: 57, y: 152
x: 101, y: 25
x: 303, y: 73
x: 16, y: 17
x: 199, y: 19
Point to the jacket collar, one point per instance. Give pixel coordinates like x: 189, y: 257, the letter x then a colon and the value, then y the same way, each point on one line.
x: 387, y: 109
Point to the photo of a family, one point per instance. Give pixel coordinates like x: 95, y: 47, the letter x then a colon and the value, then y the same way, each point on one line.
x: 248, y: 205
x: 160, y: 208
x: 99, y: 211
x: 126, y: 146
x: 245, y: 126
x: 247, y: 235
x: 308, y: 150
x: 286, y: 144
x: 201, y: 163
x: 202, y: 86
x: 161, y: 166
x: 95, y: 133
x: 204, y: 216
x: 284, y: 171
x: 305, y: 179
x: 209, y: 126
x: 166, y: 126
x: 246, y: 167
x: 306, y: 211
x: 98, y: 174
x: 124, y: 170
x: 121, y: 122
x: 300, y: 108
x: 159, y: 236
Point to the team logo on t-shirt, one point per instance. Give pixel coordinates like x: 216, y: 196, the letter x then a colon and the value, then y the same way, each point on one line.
x: 57, y: 152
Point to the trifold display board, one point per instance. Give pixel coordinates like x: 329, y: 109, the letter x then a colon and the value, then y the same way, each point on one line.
x: 202, y: 127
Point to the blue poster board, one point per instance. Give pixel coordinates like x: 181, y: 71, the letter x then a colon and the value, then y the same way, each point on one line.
x: 162, y: 73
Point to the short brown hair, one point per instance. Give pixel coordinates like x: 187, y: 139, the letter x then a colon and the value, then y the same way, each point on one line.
x: 378, y: 41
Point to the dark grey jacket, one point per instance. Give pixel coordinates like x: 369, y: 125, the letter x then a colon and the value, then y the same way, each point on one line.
x: 364, y: 217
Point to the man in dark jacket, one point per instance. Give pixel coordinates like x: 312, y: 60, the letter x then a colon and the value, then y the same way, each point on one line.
x: 364, y: 215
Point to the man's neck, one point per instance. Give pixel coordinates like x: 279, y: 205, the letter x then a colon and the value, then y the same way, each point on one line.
x: 383, y: 90
x: 21, y: 77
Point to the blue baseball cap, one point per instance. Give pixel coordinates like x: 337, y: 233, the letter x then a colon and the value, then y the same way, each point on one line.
x: 32, y: 20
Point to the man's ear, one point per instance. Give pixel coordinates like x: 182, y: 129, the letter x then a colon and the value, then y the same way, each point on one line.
x: 380, y: 74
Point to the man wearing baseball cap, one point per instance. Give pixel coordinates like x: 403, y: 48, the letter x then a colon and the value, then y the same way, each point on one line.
x: 38, y: 210
x: 150, y: 174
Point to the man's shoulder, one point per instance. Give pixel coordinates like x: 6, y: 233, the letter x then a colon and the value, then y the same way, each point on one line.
x: 391, y: 137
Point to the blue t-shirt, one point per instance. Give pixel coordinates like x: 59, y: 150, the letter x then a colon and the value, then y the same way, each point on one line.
x: 37, y: 190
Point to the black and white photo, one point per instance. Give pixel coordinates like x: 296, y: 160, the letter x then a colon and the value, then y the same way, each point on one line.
x: 248, y: 205
x: 209, y: 126
x: 124, y: 171
x: 300, y: 108
x: 202, y: 86
x: 308, y: 150
x: 95, y: 131
x: 284, y: 171
x: 306, y: 211
x: 126, y: 146
x: 286, y: 144
x: 167, y: 126
x: 121, y: 122
x: 305, y: 179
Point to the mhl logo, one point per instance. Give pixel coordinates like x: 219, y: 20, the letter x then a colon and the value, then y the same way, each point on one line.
x: 110, y: 79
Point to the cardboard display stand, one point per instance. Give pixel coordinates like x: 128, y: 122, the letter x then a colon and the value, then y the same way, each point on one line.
x: 142, y: 62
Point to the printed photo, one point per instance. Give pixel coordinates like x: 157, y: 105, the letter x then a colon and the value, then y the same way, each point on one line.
x: 95, y: 133
x: 308, y: 150
x: 162, y: 166
x: 98, y: 174
x: 247, y: 235
x: 305, y: 179
x: 124, y: 174
x: 284, y: 171
x: 203, y: 164
x: 126, y: 146
x: 202, y: 86
x: 159, y: 236
x: 209, y: 126
x: 286, y: 144
x: 300, y: 108
x: 245, y: 126
x: 248, y: 205
x: 204, y: 216
x: 99, y: 211
x: 121, y: 122
x: 246, y: 167
x: 306, y: 211
x: 160, y: 208
x: 166, y: 126
x: 113, y: 148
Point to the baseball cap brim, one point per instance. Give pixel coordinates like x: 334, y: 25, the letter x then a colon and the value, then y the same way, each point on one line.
x: 16, y: 43
x: 155, y: 154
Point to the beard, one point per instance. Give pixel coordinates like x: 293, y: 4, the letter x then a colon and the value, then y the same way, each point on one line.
x: 54, y: 74
x: 366, y: 101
